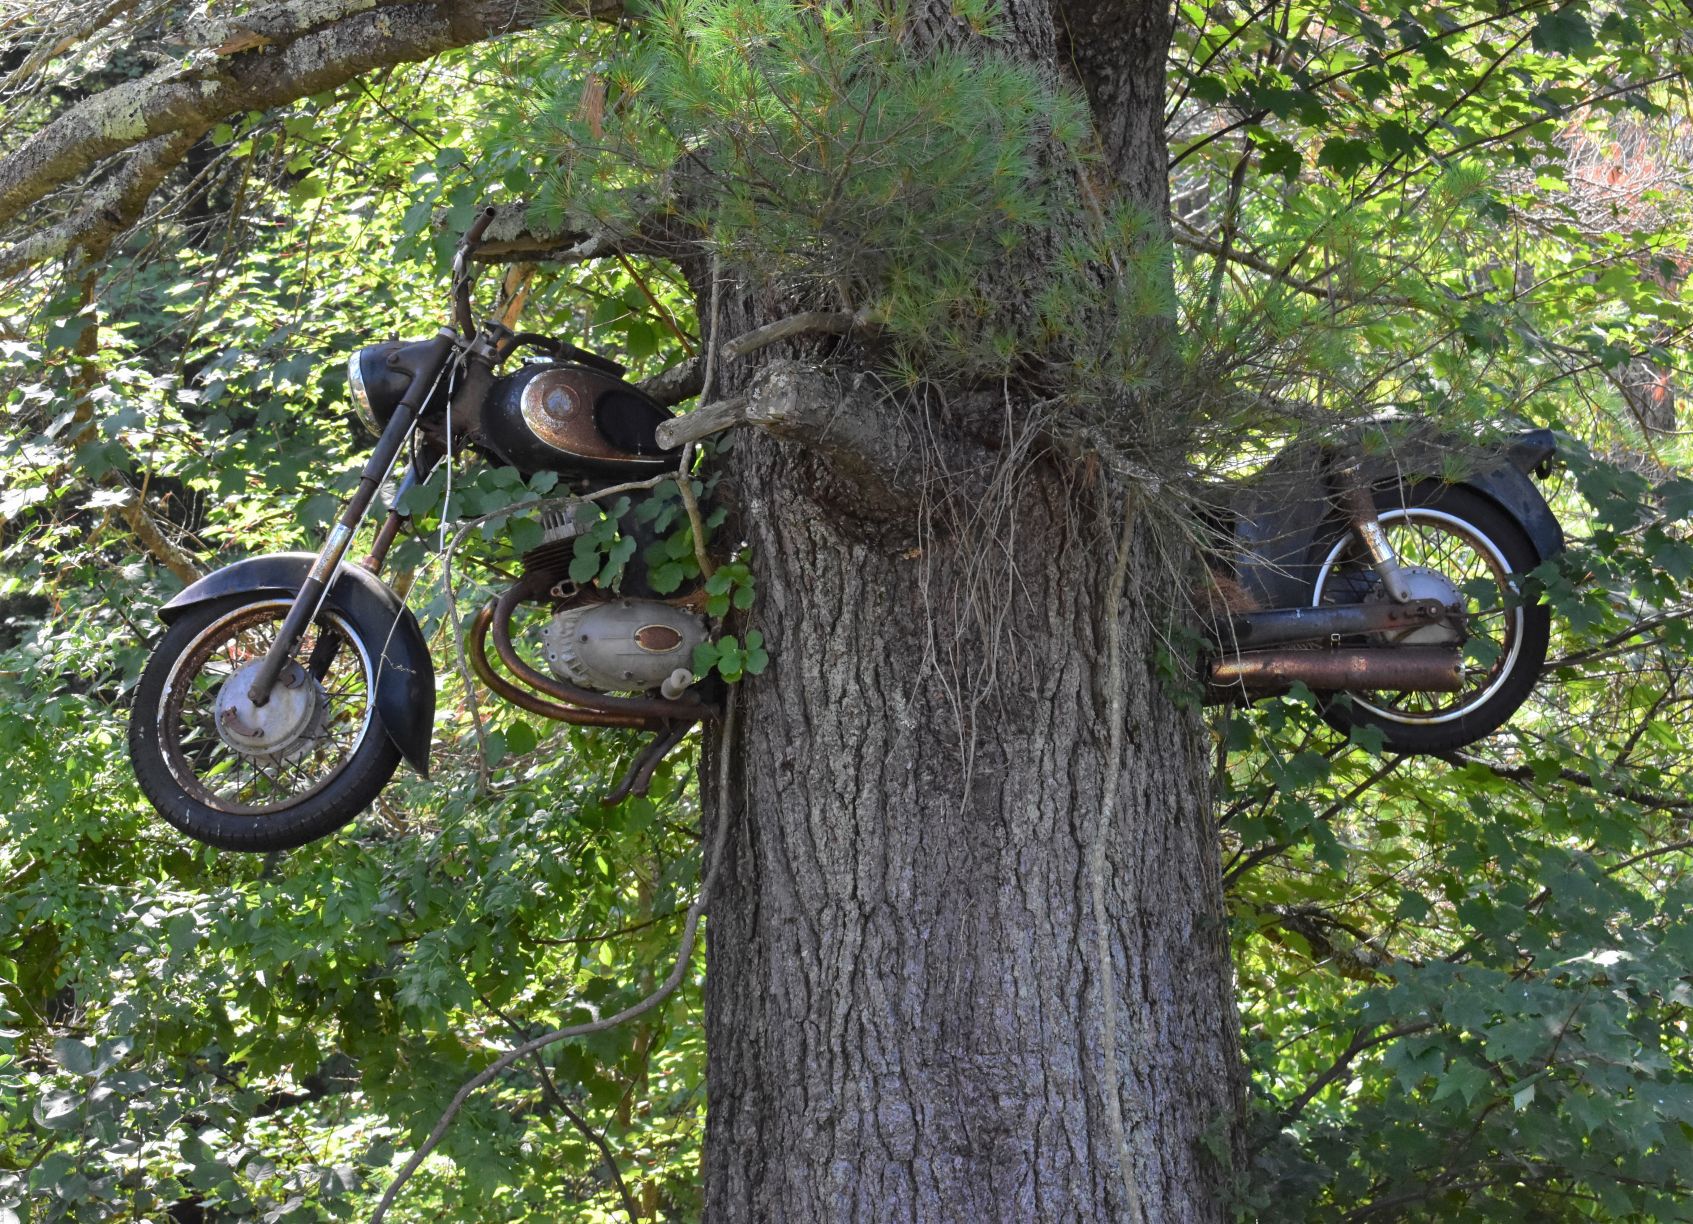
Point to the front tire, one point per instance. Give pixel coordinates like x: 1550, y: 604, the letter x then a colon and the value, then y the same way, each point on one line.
x: 330, y: 765
x: 1455, y: 532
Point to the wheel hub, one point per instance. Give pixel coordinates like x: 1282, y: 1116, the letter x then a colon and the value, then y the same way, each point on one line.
x: 1427, y: 585
x: 282, y: 728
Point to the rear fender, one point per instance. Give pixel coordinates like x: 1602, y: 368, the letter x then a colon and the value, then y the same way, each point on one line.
x: 405, y: 676
x: 1518, y: 497
x: 1280, y: 518
x: 1506, y: 485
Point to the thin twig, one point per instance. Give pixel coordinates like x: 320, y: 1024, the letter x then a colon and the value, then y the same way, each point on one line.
x: 685, y: 468
x: 550, y: 1090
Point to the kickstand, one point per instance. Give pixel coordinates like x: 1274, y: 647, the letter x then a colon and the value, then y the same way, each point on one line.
x: 641, y: 769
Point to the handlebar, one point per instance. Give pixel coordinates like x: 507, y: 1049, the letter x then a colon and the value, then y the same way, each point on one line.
x: 564, y: 350
x: 461, y: 270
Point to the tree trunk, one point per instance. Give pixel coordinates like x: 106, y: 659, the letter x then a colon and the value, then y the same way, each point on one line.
x: 906, y: 1013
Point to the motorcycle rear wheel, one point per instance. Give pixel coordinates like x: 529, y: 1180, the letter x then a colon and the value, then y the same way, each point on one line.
x: 228, y: 795
x: 1457, y: 533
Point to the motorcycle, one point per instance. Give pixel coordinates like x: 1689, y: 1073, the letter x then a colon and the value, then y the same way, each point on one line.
x: 288, y: 688
x: 1397, y: 595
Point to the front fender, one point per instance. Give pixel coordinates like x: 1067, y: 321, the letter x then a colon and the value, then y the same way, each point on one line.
x: 405, y: 676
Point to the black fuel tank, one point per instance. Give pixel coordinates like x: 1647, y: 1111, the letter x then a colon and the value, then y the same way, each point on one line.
x: 562, y: 417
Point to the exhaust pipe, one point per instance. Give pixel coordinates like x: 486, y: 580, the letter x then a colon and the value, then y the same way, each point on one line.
x: 1404, y: 669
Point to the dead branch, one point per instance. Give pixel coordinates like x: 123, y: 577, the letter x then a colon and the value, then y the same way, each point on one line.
x: 811, y: 322
x: 147, y: 530
x: 702, y: 422
x: 682, y: 381
x: 115, y: 206
x: 840, y: 419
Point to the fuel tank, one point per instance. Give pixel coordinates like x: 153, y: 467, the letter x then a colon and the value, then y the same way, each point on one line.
x: 568, y: 418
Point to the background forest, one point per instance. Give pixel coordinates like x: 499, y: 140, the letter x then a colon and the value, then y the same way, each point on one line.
x: 1464, y: 983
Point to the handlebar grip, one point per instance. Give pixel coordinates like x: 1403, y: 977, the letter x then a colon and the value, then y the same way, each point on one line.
x: 478, y: 227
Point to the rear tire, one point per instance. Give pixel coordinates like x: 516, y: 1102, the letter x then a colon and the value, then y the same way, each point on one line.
x: 1466, y: 537
x: 237, y: 800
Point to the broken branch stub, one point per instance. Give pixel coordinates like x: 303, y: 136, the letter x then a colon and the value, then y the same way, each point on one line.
x: 842, y: 420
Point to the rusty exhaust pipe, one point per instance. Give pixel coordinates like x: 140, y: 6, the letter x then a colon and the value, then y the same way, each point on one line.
x: 1401, y: 669
x: 477, y: 651
x: 641, y: 709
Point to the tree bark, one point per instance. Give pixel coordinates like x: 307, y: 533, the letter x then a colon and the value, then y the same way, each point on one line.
x: 266, y: 57
x: 906, y: 1009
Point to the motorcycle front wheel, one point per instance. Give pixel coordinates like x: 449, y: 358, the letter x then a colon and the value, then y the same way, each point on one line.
x: 1458, y: 546
x: 266, y: 778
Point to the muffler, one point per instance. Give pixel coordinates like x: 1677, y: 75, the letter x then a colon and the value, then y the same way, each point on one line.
x: 1400, y: 669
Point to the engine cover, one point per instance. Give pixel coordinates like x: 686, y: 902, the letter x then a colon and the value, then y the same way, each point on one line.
x: 623, y: 645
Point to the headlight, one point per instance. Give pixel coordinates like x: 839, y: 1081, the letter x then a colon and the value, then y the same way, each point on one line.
x: 377, y: 378
x: 361, y: 397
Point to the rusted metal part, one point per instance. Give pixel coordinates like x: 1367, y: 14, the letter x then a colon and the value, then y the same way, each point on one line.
x: 383, y: 542
x: 1280, y: 626
x: 476, y: 648
x: 563, y: 690
x: 1360, y: 507
x: 1403, y: 669
x: 639, y: 776
x: 558, y: 406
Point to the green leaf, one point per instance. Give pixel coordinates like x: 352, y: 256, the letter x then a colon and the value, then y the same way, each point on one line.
x: 58, y: 1110
x: 1345, y: 156
x: 74, y: 1056
x: 524, y: 534
x: 1279, y: 157
x: 665, y: 578
x: 520, y: 738
x: 1465, y: 1079
x: 1563, y: 31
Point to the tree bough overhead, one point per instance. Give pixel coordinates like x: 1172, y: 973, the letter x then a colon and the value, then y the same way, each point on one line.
x: 999, y: 925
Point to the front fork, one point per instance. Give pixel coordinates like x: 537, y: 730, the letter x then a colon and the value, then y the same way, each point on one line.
x: 309, y: 598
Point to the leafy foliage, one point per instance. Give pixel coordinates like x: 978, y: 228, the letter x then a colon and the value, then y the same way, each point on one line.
x: 1463, y: 982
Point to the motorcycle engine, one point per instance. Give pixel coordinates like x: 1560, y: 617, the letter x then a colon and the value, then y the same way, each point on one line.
x: 614, y: 646
x: 622, y: 645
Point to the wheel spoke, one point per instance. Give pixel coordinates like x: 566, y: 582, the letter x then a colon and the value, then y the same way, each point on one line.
x: 229, y: 778
x: 1433, y: 541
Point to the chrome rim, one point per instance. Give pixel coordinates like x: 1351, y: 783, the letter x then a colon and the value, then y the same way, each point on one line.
x: 1433, y: 539
x: 217, y: 774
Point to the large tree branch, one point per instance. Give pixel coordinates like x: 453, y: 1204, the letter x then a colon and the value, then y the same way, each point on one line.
x: 112, y: 208
x: 265, y: 58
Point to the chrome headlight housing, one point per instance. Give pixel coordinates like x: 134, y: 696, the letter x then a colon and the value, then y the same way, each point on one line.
x: 360, y: 394
x: 377, y: 378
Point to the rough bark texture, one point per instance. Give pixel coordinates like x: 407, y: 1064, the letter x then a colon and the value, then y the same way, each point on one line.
x: 902, y: 995
x: 904, y: 991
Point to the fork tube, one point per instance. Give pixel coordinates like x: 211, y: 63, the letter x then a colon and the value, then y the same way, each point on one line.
x: 391, y: 525
x: 1360, y: 510
x: 381, y: 462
